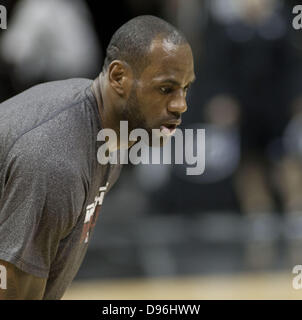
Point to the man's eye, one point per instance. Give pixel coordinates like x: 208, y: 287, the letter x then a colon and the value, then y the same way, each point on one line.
x: 165, y: 90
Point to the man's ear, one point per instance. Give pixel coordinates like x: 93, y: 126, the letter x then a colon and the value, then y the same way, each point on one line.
x: 120, y: 77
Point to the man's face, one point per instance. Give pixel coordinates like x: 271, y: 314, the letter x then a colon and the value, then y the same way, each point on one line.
x: 158, y: 97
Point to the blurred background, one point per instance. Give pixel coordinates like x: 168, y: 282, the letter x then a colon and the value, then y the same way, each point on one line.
x: 234, y: 232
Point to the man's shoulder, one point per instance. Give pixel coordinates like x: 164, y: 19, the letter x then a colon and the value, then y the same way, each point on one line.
x: 55, y: 94
x: 63, y: 85
x: 60, y: 89
x: 46, y: 114
x: 45, y: 99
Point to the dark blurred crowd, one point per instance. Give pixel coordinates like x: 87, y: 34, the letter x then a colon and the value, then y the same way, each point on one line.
x: 247, y: 95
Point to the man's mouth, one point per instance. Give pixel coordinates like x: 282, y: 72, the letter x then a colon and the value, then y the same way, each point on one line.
x: 169, y: 129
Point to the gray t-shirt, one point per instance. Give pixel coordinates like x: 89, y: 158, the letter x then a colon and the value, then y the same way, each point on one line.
x: 51, y: 184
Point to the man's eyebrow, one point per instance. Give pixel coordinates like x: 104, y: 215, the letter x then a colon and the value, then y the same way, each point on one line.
x: 170, y: 80
x: 173, y: 81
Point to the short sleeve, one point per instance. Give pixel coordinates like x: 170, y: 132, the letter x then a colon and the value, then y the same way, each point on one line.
x: 40, y: 202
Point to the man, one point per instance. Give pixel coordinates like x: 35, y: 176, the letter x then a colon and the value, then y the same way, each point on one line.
x: 51, y: 184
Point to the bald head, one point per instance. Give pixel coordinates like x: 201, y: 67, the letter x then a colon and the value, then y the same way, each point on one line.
x: 131, y: 42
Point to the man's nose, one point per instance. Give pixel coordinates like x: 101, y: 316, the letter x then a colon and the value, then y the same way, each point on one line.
x: 178, y: 104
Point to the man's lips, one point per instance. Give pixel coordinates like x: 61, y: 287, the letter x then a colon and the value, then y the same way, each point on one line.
x: 169, y: 128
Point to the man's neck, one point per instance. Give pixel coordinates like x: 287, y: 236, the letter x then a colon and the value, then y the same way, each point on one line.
x: 109, y: 121
x: 96, y: 89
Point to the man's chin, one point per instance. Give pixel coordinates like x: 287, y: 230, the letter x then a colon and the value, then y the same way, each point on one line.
x: 156, y: 137
x: 159, y: 138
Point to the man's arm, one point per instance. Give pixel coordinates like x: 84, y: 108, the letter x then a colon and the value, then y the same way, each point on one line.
x: 21, y: 285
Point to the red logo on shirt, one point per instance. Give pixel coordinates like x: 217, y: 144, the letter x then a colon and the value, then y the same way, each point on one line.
x: 92, y: 213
